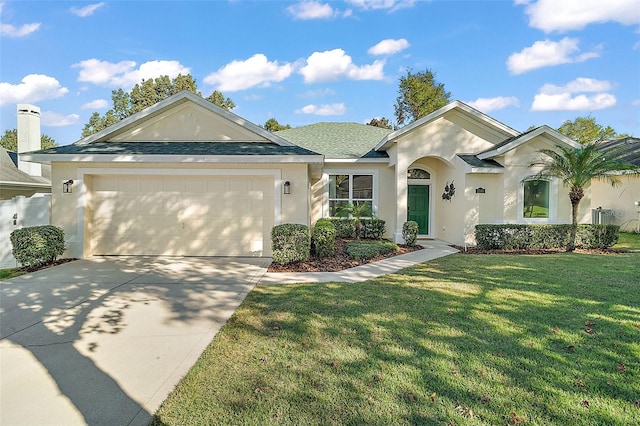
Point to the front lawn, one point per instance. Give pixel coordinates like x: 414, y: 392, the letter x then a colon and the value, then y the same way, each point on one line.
x: 464, y: 340
x: 628, y: 241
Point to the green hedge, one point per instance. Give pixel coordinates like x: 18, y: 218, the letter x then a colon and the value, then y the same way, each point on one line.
x: 410, y: 232
x: 372, y: 229
x: 323, y: 239
x: 525, y: 237
x: 345, y: 228
x: 37, y: 245
x: 361, y: 250
x: 290, y: 242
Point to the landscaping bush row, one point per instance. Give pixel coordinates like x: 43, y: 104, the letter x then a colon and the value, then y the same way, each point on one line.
x: 293, y: 242
x: 372, y: 229
x: 527, y: 237
x: 37, y: 245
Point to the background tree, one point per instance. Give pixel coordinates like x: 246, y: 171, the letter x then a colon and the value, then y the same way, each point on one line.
x: 576, y: 168
x: 145, y: 94
x: 9, y: 140
x: 419, y: 94
x: 585, y: 130
x: 380, y: 122
x: 272, y: 125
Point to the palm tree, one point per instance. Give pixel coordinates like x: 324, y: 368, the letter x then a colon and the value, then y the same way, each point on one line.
x: 576, y: 168
x: 356, y: 211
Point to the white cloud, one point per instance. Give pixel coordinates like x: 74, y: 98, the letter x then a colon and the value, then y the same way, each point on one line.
x: 255, y: 71
x: 33, y: 88
x: 22, y: 31
x: 391, y: 5
x: 53, y: 119
x: 562, y: 98
x: 389, y: 47
x: 96, y: 104
x: 547, y: 53
x: 567, y: 15
x: 326, y: 109
x: 492, y: 104
x: 332, y: 65
x: 124, y: 74
x: 88, y: 10
x: 306, y: 10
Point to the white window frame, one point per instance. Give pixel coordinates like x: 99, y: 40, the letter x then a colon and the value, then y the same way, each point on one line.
x: 350, y: 173
x: 553, y: 202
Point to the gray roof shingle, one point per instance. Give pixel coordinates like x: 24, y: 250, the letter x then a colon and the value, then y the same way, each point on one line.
x: 179, y: 148
x: 338, y: 140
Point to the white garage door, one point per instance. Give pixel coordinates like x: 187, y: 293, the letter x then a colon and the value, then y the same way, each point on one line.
x: 181, y: 215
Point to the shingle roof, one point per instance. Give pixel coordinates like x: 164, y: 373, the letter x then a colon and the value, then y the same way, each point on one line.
x: 508, y: 141
x: 338, y: 140
x: 474, y: 161
x: 179, y: 148
x: 629, y: 147
x: 10, y: 173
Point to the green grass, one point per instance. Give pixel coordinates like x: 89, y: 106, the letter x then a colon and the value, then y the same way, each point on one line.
x: 465, y: 339
x: 6, y: 274
x: 628, y: 241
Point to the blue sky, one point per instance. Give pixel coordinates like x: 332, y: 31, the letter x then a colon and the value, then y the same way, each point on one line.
x: 523, y: 62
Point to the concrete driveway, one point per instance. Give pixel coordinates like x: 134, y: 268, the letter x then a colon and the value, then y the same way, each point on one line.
x: 103, y: 341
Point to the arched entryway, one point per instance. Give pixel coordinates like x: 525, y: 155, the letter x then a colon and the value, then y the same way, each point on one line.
x: 419, y: 199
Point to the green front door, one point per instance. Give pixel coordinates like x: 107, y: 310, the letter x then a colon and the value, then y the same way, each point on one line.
x: 418, y: 207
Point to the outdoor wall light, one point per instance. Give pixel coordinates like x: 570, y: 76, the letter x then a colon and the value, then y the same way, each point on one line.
x: 286, y: 188
x: 480, y: 190
x: 66, y: 187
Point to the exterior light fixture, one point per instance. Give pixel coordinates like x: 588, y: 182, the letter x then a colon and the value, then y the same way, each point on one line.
x: 286, y: 188
x: 66, y: 187
x: 480, y: 190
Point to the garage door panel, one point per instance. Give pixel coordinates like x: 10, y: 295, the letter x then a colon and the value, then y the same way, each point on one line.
x: 182, y: 215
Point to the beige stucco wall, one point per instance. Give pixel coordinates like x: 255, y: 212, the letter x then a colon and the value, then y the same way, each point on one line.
x: 384, y: 185
x: 620, y: 199
x: 72, y: 212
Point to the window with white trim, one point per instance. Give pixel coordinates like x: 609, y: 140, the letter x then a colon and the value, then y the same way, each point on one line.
x: 536, y: 202
x: 349, y: 189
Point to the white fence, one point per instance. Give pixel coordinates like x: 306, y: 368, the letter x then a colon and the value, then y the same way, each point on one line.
x: 20, y: 212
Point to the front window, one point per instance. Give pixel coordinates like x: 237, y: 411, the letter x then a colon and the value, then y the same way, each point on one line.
x: 346, y: 190
x: 536, y: 199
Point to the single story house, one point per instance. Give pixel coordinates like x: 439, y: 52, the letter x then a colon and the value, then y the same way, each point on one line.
x: 185, y: 177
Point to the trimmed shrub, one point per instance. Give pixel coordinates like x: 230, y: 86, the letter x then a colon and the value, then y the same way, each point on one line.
x: 323, y: 239
x: 527, y: 237
x: 597, y: 236
x: 345, y: 228
x: 361, y: 250
x: 372, y: 229
x: 410, y: 232
x: 290, y: 242
x: 37, y: 245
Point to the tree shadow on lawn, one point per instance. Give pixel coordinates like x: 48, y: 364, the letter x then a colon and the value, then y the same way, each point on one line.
x: 496, y: 340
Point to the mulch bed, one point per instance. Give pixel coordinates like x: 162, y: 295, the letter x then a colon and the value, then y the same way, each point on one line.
x: 339, y: 262
x: 48, y: 265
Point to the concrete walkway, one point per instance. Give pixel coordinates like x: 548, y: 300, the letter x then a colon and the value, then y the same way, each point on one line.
x: 432, y: 250
x: 103, y: 341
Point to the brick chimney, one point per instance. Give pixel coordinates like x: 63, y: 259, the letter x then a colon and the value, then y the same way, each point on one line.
x: 29, y: 137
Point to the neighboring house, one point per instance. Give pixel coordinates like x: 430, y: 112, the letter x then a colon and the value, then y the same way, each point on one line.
x: 18, y: 177
x: 14, y: 182
x: 185, y: 177
x: 616, y: 205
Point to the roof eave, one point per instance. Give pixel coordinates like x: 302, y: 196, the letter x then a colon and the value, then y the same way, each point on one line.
x: 149, y: 158
x: 527, y: 137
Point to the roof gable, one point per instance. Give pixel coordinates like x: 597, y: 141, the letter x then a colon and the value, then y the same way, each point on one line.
x: 184, y: 117
x: 516, y: 141
x: 455, y: 107
x: 10, y: 174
